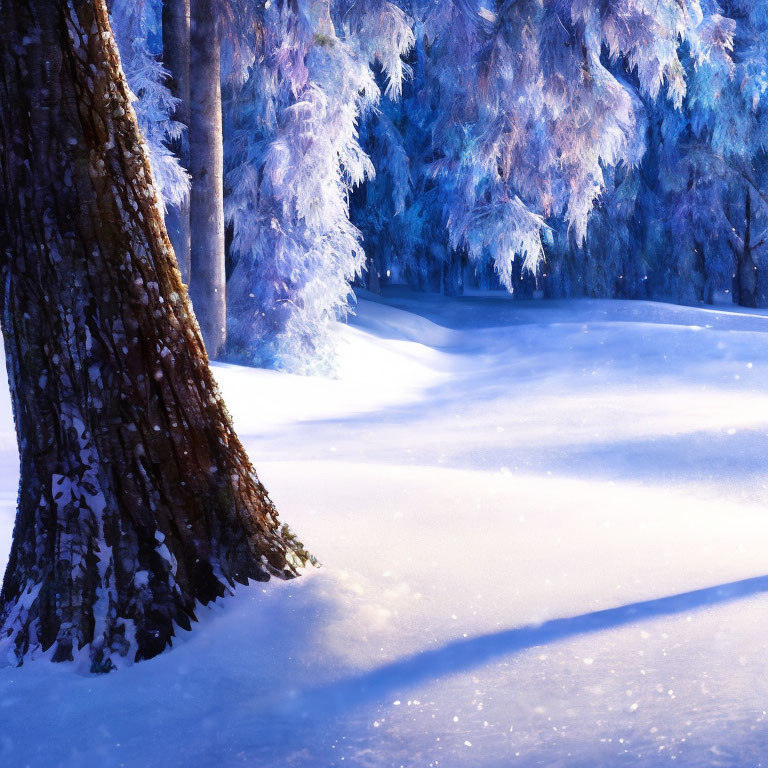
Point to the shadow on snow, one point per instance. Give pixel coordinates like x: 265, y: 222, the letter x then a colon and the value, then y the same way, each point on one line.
x: 465, y: 654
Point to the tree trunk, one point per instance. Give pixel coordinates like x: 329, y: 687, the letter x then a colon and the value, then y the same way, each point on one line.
x: 523, y: 282
x: 176, y: 61
x: 453, y: 274
x: 373, y: 274
x: 207, y: 281
x: 136, y: 499
x: 702, y: 284
x: 746, y: 268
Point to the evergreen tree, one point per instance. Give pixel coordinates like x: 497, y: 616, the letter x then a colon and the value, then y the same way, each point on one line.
x: 540, y: 115
x: 293, y: 159
x: 729, y: 134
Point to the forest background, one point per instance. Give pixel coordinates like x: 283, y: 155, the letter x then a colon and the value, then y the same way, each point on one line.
x: 552, y: 148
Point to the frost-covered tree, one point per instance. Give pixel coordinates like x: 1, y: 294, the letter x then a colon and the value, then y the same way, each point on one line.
x: 538, y: 116
x: 399, y: 211
x: 293, y: 159
x: 698, y: 192
x: 137, y: 501
x: 533, y: 117
x: 726, y: 148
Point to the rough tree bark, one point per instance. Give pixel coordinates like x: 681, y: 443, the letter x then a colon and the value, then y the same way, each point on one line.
x: 136, y: 497
x: 176, y: 61
x: 207, y: 282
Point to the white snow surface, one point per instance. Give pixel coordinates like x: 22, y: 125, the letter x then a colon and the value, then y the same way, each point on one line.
x: 543, y: 529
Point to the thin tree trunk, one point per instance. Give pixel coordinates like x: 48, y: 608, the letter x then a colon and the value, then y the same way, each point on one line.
x: 136, y: 500
x: 207, y: 278
x: 523, y: 283
x: 704, y: 286
x: 746, y: 269
x: 374, y: 274
x: 453, y: 274
x: 176, y: 61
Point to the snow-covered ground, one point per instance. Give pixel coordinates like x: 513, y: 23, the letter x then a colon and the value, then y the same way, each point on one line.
x: 544, y: 536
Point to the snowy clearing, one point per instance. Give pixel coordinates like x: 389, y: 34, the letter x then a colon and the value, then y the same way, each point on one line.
x: 544, y: 537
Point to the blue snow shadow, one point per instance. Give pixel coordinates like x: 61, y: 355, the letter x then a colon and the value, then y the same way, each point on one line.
x: 466, y: 654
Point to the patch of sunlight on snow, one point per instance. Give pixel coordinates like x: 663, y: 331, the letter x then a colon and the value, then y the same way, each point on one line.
x: 373, y: 374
